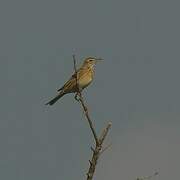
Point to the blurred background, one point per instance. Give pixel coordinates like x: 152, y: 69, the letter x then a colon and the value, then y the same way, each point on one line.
x: 136, y: 87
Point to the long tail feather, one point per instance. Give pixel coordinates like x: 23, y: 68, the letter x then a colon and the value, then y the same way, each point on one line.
x: 51, y: 102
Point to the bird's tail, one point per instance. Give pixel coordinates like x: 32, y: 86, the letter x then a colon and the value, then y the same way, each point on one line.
x: 51, y: 102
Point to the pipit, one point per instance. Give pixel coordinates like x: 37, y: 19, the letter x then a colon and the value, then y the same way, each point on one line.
x: 83, y: 78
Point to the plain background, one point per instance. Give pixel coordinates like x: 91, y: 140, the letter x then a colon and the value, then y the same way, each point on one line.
x: 136, y: 87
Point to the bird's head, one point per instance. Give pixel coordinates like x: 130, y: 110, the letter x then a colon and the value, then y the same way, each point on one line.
x: 91, y: 61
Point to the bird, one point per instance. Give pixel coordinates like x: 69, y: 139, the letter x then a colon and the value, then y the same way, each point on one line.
x: 83, y: 76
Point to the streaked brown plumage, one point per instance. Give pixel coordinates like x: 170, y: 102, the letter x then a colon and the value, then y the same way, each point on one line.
x: 85, y: 76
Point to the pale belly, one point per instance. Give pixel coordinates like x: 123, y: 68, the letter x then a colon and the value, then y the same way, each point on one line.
x: 85, y: 81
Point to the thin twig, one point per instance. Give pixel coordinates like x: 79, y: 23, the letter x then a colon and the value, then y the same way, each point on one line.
x: 104, y: 132
x: 148, y: 177
x: 75, y: 69
x: 88, y: 118
x: 105, y: 148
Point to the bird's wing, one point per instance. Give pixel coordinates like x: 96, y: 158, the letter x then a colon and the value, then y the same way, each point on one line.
x: 71, y: 81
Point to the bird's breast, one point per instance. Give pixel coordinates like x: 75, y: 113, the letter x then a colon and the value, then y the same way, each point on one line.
x: 85, y: 79
x: 85, y: 82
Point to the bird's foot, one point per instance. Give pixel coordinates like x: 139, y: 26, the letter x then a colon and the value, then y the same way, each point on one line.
x: 77, y: 98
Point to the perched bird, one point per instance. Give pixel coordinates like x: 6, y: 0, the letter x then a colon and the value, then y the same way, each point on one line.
x: 84, y: 77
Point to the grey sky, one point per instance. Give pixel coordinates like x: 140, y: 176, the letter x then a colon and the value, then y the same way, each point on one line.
x: 136, y: 87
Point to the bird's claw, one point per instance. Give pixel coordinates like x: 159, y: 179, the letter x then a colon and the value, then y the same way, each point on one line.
x: 77, y: 98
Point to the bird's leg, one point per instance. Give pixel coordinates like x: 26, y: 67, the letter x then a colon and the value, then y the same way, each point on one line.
x: 77, y: 96
x: 80, y: 89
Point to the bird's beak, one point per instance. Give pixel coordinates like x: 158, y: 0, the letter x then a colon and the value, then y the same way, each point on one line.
x: 99, y: 59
